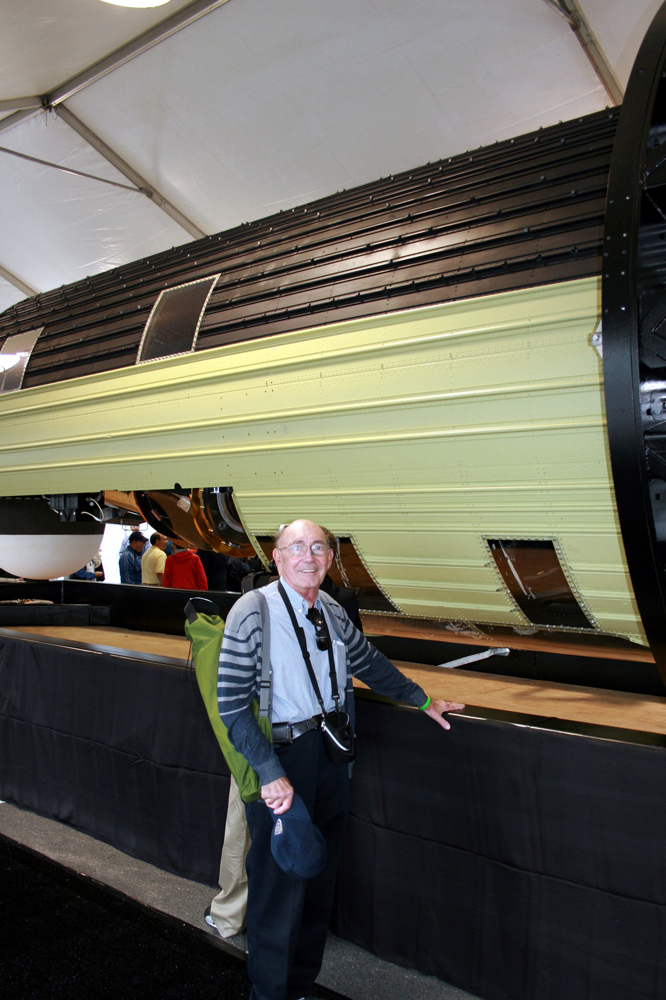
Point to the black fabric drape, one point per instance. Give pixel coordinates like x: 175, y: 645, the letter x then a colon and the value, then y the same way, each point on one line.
x: 512, y: 862
x: 118, y: 748
x: 516, y: 863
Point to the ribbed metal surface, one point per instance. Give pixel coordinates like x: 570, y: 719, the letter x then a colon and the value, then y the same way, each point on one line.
x: 528, y: 211
x: 419, y: 435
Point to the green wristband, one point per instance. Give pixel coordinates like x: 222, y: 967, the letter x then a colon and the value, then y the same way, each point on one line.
x: 423, y: 707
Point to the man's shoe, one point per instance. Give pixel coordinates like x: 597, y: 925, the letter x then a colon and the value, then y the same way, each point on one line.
x: 209, y: 920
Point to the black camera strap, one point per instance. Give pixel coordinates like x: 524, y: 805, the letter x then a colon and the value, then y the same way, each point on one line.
x: 306, y: 655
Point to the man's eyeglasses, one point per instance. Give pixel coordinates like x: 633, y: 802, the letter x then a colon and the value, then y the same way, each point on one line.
x: 321, y: 631
x: 300, y: 548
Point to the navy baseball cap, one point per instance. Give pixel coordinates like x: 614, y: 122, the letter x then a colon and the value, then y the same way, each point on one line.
x: 298, y: 846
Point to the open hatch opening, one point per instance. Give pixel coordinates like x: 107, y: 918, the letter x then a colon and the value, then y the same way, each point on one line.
x: 535, y: 579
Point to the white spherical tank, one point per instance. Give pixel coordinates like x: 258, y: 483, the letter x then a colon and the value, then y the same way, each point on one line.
x: 43, y: 557
x: 37, y: 545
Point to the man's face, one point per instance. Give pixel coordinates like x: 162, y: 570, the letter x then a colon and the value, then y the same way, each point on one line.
x: 304, y: 570
x: 137, y: 546
x: 161, y: 542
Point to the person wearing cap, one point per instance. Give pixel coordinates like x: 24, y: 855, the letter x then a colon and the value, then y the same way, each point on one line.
x: 289, y: 902
x: 130, y: 558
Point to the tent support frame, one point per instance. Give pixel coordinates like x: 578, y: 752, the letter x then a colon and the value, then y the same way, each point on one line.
x: 570, y: 10
x: 128, y: 171
x: 12, y: 279
x: 29, y: 107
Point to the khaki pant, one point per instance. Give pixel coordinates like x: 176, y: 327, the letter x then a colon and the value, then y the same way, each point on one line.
x: 229, y: 907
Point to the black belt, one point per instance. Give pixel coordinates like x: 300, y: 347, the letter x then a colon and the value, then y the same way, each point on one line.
x: 287, y: 732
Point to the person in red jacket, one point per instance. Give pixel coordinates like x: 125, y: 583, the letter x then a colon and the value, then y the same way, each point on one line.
x: 183, y: 568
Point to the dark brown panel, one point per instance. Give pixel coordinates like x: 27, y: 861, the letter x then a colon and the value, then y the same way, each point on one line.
x: 524, y: 212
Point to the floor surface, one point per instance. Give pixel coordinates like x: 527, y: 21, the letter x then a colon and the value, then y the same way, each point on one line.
x: 99, y: 943
x: 347, y: 970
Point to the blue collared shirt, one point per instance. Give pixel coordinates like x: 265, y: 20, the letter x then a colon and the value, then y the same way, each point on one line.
x: 294, y: 698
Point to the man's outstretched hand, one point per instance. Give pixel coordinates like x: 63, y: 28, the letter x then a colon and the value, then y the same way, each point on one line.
x: 437, y: 707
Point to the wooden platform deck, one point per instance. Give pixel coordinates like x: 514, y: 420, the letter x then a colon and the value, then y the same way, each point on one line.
x: 566, y: 702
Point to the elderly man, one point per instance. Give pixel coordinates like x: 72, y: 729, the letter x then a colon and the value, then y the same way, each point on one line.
x: 287, y: 917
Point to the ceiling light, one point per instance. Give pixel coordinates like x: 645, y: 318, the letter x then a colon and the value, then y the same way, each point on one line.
x: 137, y: 3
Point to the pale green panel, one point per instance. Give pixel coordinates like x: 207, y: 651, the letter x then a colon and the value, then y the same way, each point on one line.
x: 500, y: 613
x: 462, y: 574
x: 353, y: 384
x: 425, y: 583
x: 389, y: 464
x: 488, y: 603
x: 419, y: 434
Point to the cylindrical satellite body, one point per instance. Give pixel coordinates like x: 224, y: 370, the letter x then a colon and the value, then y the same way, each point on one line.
x: 418, y: 364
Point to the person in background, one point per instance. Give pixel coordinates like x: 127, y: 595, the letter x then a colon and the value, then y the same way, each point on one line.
x: 98, y: 567
x: 184, y: 569
x: 346, y: 598
x: 237, y: 570
x: 86, y: 572
x: 153, y: 561
x: 215, y: 567
x: 130, y: 559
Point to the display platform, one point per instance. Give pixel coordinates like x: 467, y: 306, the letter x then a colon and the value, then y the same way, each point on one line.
x: 511, y: 859
x: 159, y: 610
x: 545, y: 703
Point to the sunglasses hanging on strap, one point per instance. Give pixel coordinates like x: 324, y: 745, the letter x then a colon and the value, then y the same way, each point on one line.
x: 322, y: 637
x: 335, y: 726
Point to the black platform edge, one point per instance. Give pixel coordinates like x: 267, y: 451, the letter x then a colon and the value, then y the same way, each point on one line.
x: 611, y: 734
x: 87, y: 881
x: 133, y: 606
x: 73, y: 615
x: 550, y: 723
x: 587, y: 730
x: 98, y: 650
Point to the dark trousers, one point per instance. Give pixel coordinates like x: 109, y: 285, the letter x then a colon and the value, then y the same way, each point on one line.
x: 287, y: 916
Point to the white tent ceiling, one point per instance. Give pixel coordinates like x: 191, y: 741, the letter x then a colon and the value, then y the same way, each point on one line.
x: 260, y: 105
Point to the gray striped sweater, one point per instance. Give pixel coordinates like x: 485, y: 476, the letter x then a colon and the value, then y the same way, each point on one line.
x: 240, y: 671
